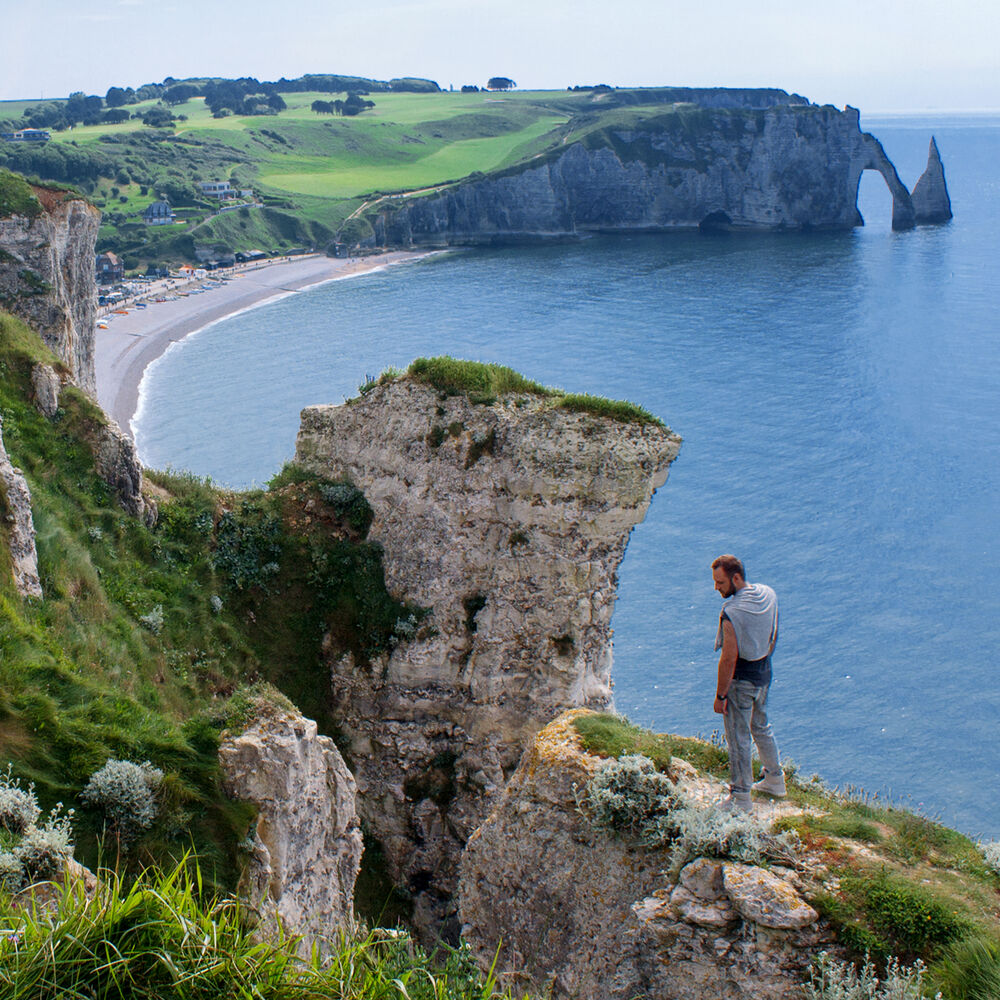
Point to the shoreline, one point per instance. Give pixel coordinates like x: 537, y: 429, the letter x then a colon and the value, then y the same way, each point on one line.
x: 131, y: 343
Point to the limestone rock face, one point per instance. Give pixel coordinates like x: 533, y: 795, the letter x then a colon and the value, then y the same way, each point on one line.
x: 930, y: 194
x: 19, y: 527
x: 307, y: 844
x: 47, y: 278
x: 47, y: 385
x: 778, y: 168
x: 507, y: 521
x: 600, y: 919
x: 765, y: 899
x: 118, y: 465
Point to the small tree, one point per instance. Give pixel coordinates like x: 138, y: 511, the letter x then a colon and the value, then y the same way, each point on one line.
x: 500, y: 83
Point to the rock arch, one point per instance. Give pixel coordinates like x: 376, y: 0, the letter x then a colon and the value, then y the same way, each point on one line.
x: 873, y: 158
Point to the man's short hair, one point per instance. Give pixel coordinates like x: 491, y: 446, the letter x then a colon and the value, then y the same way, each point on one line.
x: 731, y: 565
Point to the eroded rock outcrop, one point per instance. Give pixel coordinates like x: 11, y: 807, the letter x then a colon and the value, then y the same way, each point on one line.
x: 507, y: 520
x: 117, y: 463
x: 786, y: 167
x: 930, y: 194
x: 599, y: 918
x: 19, y: 527
x: 46, y: 386
x: 307, y: 843
x: 47, y: 277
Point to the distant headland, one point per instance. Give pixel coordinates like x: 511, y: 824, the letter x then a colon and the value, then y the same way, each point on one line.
x: 202, y: 170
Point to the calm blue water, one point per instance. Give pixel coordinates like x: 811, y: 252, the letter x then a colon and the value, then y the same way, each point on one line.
x: 838, y: 399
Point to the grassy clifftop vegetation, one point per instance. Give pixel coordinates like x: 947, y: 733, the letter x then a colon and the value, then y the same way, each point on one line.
x: 145, y: 635
x: 485, y: 383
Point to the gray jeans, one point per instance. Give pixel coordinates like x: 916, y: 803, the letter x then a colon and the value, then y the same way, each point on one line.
x: 746, y: 717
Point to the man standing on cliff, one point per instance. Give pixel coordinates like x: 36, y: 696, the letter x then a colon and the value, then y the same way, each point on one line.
x: 748, y: 632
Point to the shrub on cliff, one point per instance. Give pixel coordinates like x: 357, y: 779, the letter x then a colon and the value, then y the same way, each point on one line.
x: 126, y: 794
x: 16, y: 196
x: 833, y: 980
x: 44, y: 850
x: 630, y: 795
x: 991, y: 854
x: 18, y: 806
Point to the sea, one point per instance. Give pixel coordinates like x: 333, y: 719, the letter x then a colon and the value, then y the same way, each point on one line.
x: 839, y: 399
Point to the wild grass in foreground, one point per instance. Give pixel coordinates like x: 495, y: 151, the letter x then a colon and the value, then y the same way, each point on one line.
x: 158, y: 939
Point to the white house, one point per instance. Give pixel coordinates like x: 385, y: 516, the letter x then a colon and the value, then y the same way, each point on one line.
x: 217, y: 189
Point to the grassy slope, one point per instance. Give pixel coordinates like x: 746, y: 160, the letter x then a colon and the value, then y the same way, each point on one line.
x: 896, y: 883
x: 84, y: 678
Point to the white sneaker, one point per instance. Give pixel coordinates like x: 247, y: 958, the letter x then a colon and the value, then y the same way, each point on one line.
x: 771, y: 783
x: 737, y: 802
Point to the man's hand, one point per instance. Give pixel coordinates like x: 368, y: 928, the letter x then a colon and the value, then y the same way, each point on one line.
x: 721, y: 706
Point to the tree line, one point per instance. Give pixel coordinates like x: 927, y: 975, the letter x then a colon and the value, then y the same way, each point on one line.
x: 354, y: 105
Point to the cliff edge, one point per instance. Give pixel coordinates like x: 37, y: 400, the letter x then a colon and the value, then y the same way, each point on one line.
x: 597, y: 916
x: 47, y: 239
x: 786, y: 167
x: 505, y: 516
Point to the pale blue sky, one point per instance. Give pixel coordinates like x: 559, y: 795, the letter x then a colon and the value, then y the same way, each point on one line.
x: 878, y: 56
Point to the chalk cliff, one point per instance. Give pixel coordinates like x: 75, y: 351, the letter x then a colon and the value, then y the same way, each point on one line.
x: 787, y: 167
x: 930, y: 194
x: 47, y: 276
x: 306, y: 846
x: 507, y: 519
x: 47, y: 279
x: 598, y: 917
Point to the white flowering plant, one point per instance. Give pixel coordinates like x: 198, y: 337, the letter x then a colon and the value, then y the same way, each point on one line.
x: 18, y: 805
x: 126, y: 793
x: 833, y: 980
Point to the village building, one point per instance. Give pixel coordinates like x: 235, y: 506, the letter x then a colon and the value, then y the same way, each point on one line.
x: 109, y: 268
x: 27, y: 135
x: 158, y: 214
x: 217, y: 189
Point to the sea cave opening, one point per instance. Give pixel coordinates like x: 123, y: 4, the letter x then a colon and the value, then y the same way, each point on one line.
x: 874, y: 200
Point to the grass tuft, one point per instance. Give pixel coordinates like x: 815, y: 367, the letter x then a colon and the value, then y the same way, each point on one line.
x: 485, y: 383
x: 608, y: 735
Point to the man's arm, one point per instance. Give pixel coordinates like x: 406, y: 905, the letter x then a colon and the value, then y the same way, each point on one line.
x: 727, y: 666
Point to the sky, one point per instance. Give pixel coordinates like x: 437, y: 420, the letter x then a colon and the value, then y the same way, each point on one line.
x: 879, y: 56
